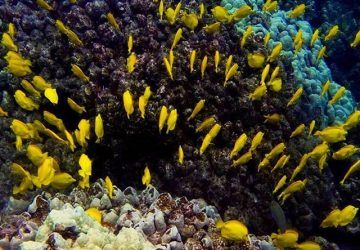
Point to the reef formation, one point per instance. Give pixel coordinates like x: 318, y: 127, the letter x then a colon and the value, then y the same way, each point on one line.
x: 208, y: 89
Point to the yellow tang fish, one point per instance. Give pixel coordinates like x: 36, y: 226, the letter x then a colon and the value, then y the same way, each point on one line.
x: 255, y: 60
x: 314, y: 37
x: 241, y: 13
x: 29, y: 88
x: 221, y: 14
x: 99, y: 128
x: 190, y: 20
x: 277, y: 150
x: 297, y: 11
x: 11, y: 30
x: 40, y: 83
x: 111, y: 19
x: 212, y: 28
x: 300, y: 167
x: 94, y: 213
x: 239, y: 145
x: 232, y: 230
x: 128, y: 103
x: 205, y: 143
x: 272, y: 119
x: 270, y: 5
x: 180, y: 155
x: 321, y: 53
x: 109, y: 187
x: 8, y: 42
x: 232, y: 71
x: 76, y: 107
x: 51, y: 95
x: 130, y: 62
x: 35, y: 154
x: 207, y: 123
x: 311, y: 126
x: 354, y: 168
x: 332, y: 33
x: 295, y: 96
x: 53, y: 120
x: 216, y: 60
x: 201, y: 10
x: 161, y: 9
x: 25, y: 102
x: 256, y: 140
x: 171, y: 122
x: 228, y: 64
x: 265, y: 73
x: 245, y: 158
x: 280, y: 184
x: 281, y: 162
x: 339, y: 93
x: 292, y: 188
x: 246, y: 34
x: 2, y: 112
x: 146, y: 179
x: 356, y: 40
x: 43, y: 4
x: 347, y: 214
x: 325, y: 87
x: 198, y: 107
x: 345, y: 152
x: 168, y: 67
x: 275, y: 73
x: 275, y: 52
x: 287, y: 239
x: 163, y: 117
x: 62, y: 180
x: 308, y: 245
x: 352, y: 121
x: 258, y: 93
x: 177, y: 37
x: 79, y: 73
x: 298, y: 130
x: 275, y: 85
x: 192, y: 60
x: 130, y: 43
x: 203, y: 66
x: 267, y: 38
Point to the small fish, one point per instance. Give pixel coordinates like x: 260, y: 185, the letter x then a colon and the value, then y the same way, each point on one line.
x: 256, y: 140
x: 168, y: 68
x: 190, y: 20
x: 212, y: 28
x: 29, y: 88
x: 228, y: 64
x: 35, y: 154
x: 352, y: 121
x: 76, y: 107
x: 292, y: 188
x: 8, y: 42
x: 171, y: 58
x: 264, y: 163
x: 171, y: 122
x: 45, y: 173
x: 161, y: 9
x: 255, y: 60
x: 332, y: 134
x: 180, y: 155
x: 3, y: 112
x: 265, y: 73
x: 130, y: 63
x: 26, y: 182
x: 296, y: 96
x: 283, y: 160
x: 239, y: 145
x: 242, y: 12
x: 354, y: 168
x: 270, y: 5
x: 25, y: 102
x: 85, y: 170
x: 172, y: 14
x: 275, y: 85
x: 43, y: 4
x: 298, y: 46
x: 51, y: 95
x: 232, y: 230
x: 332, y: 33
x: 201, y: 10
x: 275, y: 73
x: 11, y: 30
x: 79, y: 73
x: 163, y: 117
x: 111, y: 19
x: 297, y: 11
x: 207, y: 123
x: 217, y: 60
x: 247, y: 33
x: 322, y: 162
x: 18, y: 143
x: 356, y: 40
x: 205, y: 143
x: 347, y: 215
x: 300, y: 167
x: 332, y: 219
x: 280, y: 184
x: 319, y: 151
x: 275, y: 52
x: 20, y: 129
x: 232, y: 72
x: 258, y: 93
x: 177, y: 37
x: 311, y: 127
x: 94, y: 213
x: 72, y: 36
x: 267, y: 38
x: 143, y: 101
x: 128, y: 103
x: 288, y: 239
x: 99, y: 128
x: 298, y: 130
x: 40, y: 83
x: 214, y: 130
x: 130, y: 43
x: 109, y: 187
x: 245, y: 158
x: 221, y: 14
x: 298, y: 37
x: 277, y: 150
x: 273, y: 119
x: 192, y: 60
x: 325, y: 87
x: 203, y: 66
x: 308, y: 245
x: 62, y: 180
x: 321, y: 53
x: 70, y: 139
x: 198, y: 107
x: 146, y: 178
x: 345, y: 152
x: 53, y: 120
x: 314, y: 37
x: 339, y: 93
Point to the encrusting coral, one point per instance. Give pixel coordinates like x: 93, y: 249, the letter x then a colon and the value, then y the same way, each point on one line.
x: 134, y: 85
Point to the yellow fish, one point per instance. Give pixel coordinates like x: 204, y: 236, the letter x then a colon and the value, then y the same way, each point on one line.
x: 267, y: 38
x: 292, y: 188
x: 255, y: 60
x: 62, y: 180
x: 345, y: 152
x: 275, y: 52
x: 241, y: 13
x: 35, y: 154
x: 146, y: 179
x: 258, y: 93
x: 205, y: 143
x: 70, y: 139
x: 325, y: 87
x: 280, y: 184
x: 85, y: 170
x: 217, y: 60
x: 130, y: 63
x: 298, y: 130
x: 256, y: 140
x: 311, y: 127
x: 53, y: 120
x: 339, y: 93
x: 265, y: 73
x: 212, y: 28
x: 18, y: 68
x: 347, y: 214
x: 40, y: 83
x: 275, y: 85
x: 99, y: 128
x: 300, y: 167
x: 354, y: 168
x: 172, y: 14
x: 319, y: 150
x: 25, y: 102
x: 128, y: 103
x: 308, y: 245
x: 190, y: 20
x: 228, y: 64
x: 277, y: 150
x: 297, y: 11
x: 171, y: 58
x: 239, y: 145
x: 201, y: 10
x: 3, y: 113
x: 171, y: 122
x: 46, y: 172
x: 109, y: 187
x: 272, y: 119
x: 214, y: 130
x: 275, y: 73
x: 168, y: 68
x: 356, y: 40
x: 143, y: 101
x: 130, y: 43
x: 287, y: 239
x: 163, y: 117
x: 180, y: 155
x: 246, y: 35
x: 94, y: 213
x: 20, y: 129
x: 245, y: 158
x: 332, y: 33
x: 281, y: 162
x: 221, y: 14
x: 177, y: 37
x: 352, y: 121
x: 298, y: 37
x: 332, y: 219
x: 264, y: 163
x: 11, y: 30
x: 295, y: 96
x: 76, y: 107
x: 18, y: 143
x: 321, y: 53
x: 232, y: 230
x: 8, y: 42
x: 29, y: 88
x: 203, y: 66
x: 332, y: 134
x: 161, y: 9
x: 232, y: 72
x: 72, y: 36
x: 314, y: 37
x: 26, y: 182
x: 207, y: 123
x: 51, y: 95
x: 111, y: 19
x: 198, y: 107
x: 270, y: 5
x: 192, y: 60
x: 79, y: 73
x: 43, y: 4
